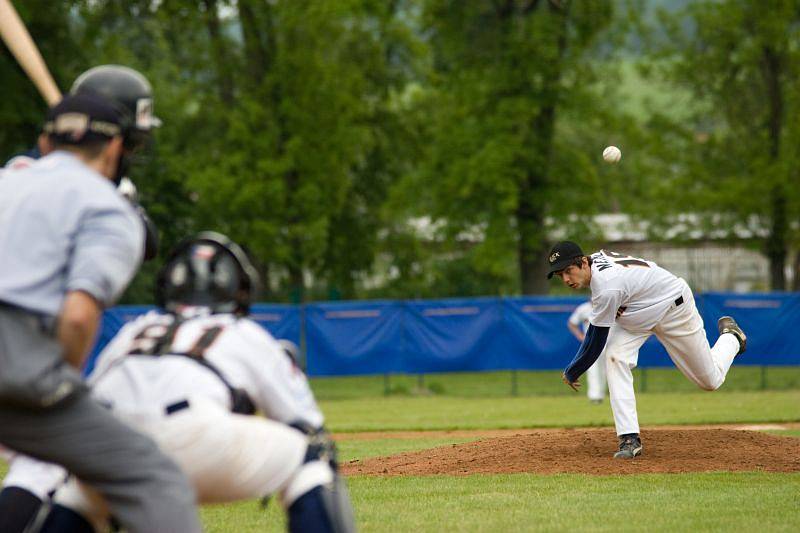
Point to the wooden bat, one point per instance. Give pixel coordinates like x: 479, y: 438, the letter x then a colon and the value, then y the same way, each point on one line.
x: 19, y: 41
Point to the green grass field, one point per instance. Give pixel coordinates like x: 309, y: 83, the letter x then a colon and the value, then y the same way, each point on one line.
x: 525, y: 502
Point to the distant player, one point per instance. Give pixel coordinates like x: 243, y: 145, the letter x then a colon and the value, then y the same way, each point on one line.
x: 578, y: 323
x: 631, y: 300
x: 193, y: 378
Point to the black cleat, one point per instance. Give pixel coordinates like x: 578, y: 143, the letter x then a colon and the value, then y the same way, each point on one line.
x: 727, y: 324
x: 630, y: 446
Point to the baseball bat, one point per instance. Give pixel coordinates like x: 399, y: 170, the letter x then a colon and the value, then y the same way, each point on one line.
x: 19, y: 41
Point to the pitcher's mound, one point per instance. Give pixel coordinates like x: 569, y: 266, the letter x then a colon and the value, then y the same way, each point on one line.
x: 589, y: 451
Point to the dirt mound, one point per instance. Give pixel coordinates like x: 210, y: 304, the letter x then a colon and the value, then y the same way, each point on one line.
x: 589, y: 451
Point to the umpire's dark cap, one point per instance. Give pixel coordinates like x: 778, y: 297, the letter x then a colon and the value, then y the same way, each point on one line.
x: 561, y: 256
x: 82, y: 118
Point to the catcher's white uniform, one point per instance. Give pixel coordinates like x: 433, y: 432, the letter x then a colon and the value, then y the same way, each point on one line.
x: 596, y: 375
x: 185, y: 403
x: 636, y: 299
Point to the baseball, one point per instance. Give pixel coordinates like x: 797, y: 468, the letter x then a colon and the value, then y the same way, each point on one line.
x: 612, y: 154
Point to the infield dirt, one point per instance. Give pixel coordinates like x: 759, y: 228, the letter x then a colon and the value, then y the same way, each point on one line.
x: 589, y: 451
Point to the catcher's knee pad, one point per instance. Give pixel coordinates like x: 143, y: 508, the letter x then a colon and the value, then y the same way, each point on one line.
x: 323, y: 509
x: 309, y: 475
x: 316, y: 497
x: 318, y: 468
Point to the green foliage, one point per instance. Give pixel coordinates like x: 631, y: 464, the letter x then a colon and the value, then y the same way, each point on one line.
x: 278, y: 122
x: 735, y: 153
x: 509, y: 84
x: 364, y: 148
x: 21, y: 108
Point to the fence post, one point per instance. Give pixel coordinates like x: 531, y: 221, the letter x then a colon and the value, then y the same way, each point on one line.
x: 763, y: 377
x: 386, y: 384
x: 420, y: 382
x: 514, y: 390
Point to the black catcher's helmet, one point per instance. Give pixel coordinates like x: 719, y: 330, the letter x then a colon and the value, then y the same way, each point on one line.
x: 208, y: 270
x: 127, y: 88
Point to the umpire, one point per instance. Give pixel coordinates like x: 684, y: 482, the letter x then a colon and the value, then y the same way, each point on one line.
x: 69, y: 245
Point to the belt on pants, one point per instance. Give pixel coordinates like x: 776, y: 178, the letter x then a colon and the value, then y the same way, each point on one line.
x: 178, y: 406
x: 679, y: 301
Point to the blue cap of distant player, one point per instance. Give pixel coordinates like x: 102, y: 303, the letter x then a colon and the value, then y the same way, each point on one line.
x: 561, y: 256
x: 82, y: 118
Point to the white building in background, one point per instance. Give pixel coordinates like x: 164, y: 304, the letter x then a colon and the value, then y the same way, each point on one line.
x: 708, y: 261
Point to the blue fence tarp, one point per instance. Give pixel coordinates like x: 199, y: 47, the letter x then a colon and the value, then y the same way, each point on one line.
x: 767, y: 319
x: 363, y: 337
x: 475, y: 334
x: 446, y: 336
x: 282, y: 321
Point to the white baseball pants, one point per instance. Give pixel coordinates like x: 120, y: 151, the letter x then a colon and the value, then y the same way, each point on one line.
x: 596, y: 380
x: 226, y: 456
x: 682, y: 334
x: 37, y: 477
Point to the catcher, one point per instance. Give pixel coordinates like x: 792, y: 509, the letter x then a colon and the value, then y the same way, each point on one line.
x: 192, y: 378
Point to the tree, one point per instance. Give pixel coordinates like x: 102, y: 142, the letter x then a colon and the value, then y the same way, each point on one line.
x: 22, y: 109
x: 277, y: 126
x: 510, y: 79
x: 740, y: 59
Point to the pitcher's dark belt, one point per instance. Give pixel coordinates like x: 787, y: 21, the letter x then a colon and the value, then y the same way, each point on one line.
x: 679, y: 301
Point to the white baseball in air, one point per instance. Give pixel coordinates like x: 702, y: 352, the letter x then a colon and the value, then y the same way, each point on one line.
x: 612, y: 154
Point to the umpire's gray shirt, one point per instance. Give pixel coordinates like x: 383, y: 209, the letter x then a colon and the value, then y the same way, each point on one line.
x: 63, y: 227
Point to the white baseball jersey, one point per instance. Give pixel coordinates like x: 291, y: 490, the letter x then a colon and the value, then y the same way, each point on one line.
x: 580, y: 316
x: 631, y: 292
x: 243, y: 352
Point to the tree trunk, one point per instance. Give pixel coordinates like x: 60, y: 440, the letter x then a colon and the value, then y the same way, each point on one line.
x: 776, y: 244
x: 796, y: 271
x: 219, y: 51
x: 777, y: 241
x: 297, y: 289
x: 297, y: 261
x: 531, y: 248
x: 533, y: 243
x: 255, y: 51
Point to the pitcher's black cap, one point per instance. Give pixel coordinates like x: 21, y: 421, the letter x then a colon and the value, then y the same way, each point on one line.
x: 561, y: 256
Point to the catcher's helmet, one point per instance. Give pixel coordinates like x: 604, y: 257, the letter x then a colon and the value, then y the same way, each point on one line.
x: 128, y: 89
x: 208, y: 270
